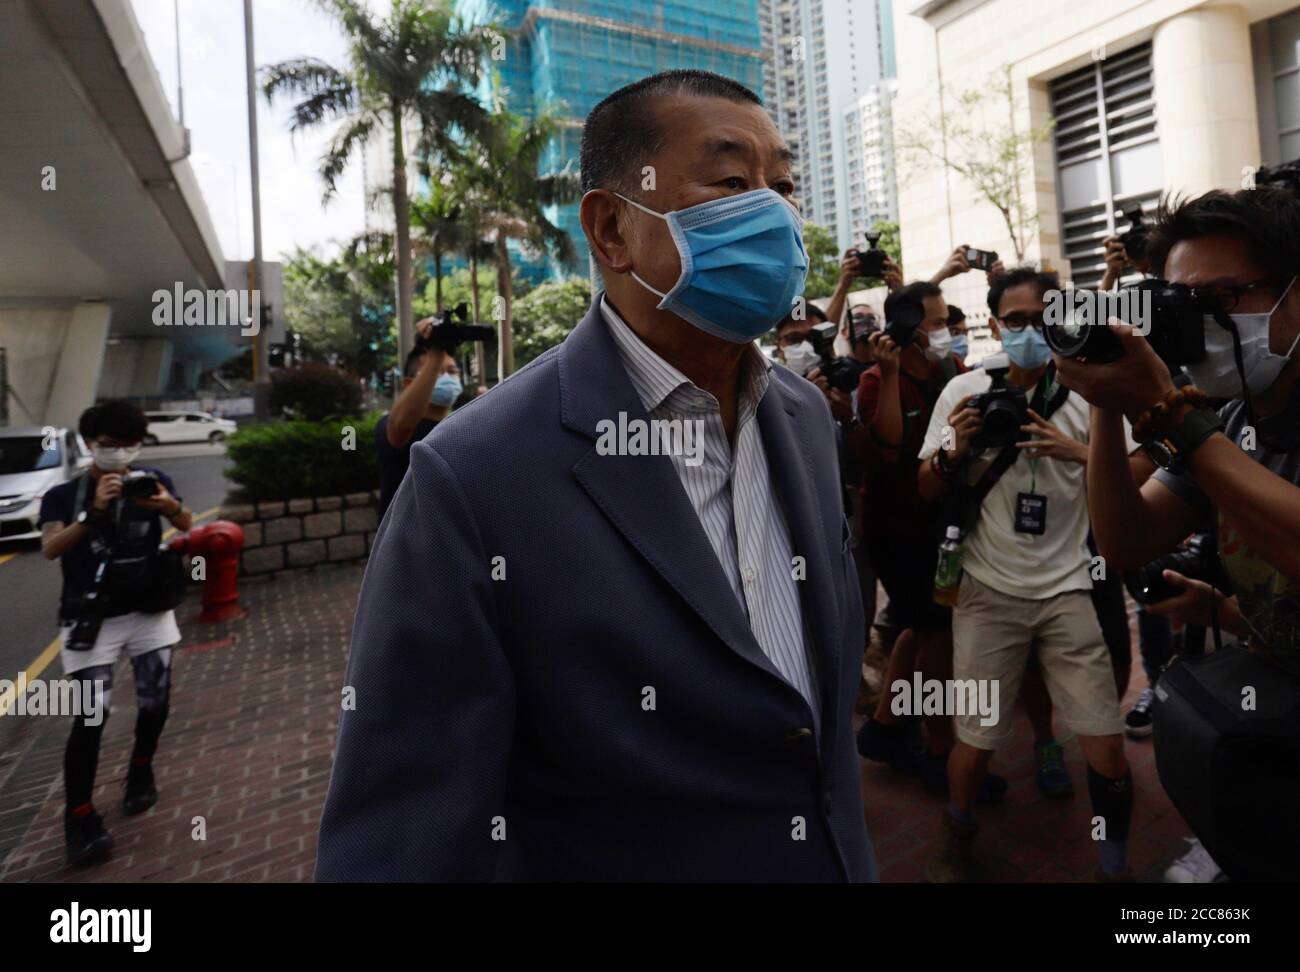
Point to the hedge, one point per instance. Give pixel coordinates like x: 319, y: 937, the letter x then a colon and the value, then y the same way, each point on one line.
x: 291, y: 460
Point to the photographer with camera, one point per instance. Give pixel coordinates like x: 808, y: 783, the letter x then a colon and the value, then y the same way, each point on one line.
x: 857, y: 269
x: 105, y: 529
x: 1233, y: 259
x: 895, y: 399
x: 1126, y: 250
x: 1007, y: 447
x: 430, y: 385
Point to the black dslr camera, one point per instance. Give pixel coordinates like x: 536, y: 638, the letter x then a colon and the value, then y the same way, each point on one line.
x: 1135, y: 240
x: 841, y: 373
x: 447, y: 335
x: 1197, y: 558
x: 872, y: 262
x: 1003, y: 410
x: 907, y: 318
x: 1171, y: 316
x: 138, y: 484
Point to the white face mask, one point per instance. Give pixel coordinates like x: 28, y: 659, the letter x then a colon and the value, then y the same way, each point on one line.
x: 940, y: 345
x: 801, y: 358
x: 1217, y: 375
x: 115, y: 459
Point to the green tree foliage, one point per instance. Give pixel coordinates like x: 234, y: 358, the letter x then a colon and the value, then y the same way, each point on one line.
x: 823, y: 261
x: 546, y: 314
x: 410, y: 71
x: 314, y: 392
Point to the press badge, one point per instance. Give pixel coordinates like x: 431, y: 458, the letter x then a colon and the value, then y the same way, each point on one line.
x: 1031, y: 513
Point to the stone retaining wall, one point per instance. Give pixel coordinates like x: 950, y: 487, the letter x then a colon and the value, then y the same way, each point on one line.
x: 304, y: 532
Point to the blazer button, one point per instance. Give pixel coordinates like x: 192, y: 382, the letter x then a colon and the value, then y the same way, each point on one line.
x: 826, y: 803
x: 800, y: 735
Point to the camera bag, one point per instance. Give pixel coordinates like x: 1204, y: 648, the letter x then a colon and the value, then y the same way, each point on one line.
x: 1227, y: 746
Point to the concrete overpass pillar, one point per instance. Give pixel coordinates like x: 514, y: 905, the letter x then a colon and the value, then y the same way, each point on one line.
x: 76, y: 375
x: 1205, y: 92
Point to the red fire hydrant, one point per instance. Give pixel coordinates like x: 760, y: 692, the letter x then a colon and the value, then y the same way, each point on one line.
x: 219, y: 543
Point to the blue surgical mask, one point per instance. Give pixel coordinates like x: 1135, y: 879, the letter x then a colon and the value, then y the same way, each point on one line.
x: 743, y: 263
x: 960, y: 346
x: 1028, y: 348
x: 446, y: 391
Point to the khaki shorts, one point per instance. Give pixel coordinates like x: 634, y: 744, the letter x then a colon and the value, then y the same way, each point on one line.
x: 992, y: 634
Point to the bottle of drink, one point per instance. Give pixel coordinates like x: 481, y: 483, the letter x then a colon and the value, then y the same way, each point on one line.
x: 947, y: 575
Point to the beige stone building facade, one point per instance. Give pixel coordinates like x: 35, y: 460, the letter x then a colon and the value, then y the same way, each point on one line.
x: 1147, y: 96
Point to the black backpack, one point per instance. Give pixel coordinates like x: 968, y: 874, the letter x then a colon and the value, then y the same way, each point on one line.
x: 1233, y: 774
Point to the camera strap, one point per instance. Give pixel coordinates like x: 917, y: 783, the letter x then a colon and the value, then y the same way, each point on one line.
x: 967, y: 500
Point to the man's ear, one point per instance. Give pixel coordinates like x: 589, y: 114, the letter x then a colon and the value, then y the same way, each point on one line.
x: 993, y: 326
x: 599, y: 213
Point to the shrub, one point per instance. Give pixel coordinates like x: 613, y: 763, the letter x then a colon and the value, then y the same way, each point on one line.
x: 314, y: 392
x: 291, y: 460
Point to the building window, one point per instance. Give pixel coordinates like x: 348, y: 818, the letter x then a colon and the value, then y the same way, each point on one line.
x: 1107, y: 154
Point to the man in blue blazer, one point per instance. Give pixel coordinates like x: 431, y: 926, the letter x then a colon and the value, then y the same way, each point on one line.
x: 610, y: 629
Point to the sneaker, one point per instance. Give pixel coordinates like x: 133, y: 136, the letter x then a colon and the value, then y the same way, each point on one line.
x: 956, y: 861
x: 1138, y: 721
x: 141, y: 793
x: 934, y: 777
x: 86, y: 838
x: 1194, y: 867
x: 1050, y: 772
x: 896, y: 745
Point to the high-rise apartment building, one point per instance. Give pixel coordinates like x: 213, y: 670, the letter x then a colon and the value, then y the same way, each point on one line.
x: 824, y: 58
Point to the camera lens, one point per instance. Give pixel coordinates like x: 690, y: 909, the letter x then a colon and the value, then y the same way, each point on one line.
x: 1002, y: 423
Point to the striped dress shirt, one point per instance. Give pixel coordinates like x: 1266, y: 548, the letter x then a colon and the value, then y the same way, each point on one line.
x: 732, y: 495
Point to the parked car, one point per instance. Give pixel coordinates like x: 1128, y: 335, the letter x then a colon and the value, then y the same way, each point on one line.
x: 32, y: 460
x: 186, y: 427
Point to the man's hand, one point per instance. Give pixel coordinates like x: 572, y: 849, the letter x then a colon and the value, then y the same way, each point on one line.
x: 160, y: 502
x: 892, y: 275
x: 1193, y: 605
x: 424, y: 328
x: 1130, y: 385
x: 1116, y: 256
x: 1049, y: 442
x: 965, y: 423
x: 109, y: 489
x: 886, y: 352
x: 997, y: 270
x: 956, y: 265
x: 841, y: 405
x: 848, y: 267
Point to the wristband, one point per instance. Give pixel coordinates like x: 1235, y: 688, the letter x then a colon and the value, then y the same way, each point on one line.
x: 1158, y: 421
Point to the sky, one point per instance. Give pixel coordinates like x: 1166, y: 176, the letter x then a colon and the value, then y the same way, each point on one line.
x: 215, y: 101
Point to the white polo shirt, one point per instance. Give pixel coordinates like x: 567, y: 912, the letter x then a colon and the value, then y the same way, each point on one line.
x: 1024, y: 564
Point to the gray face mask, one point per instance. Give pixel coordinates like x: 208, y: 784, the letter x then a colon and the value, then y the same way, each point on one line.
x: 801, y: 358
x: 1217, y: 375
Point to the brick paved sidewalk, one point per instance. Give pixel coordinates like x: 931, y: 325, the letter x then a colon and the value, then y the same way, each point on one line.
x: 1028, y: 837
x: 248, y: 746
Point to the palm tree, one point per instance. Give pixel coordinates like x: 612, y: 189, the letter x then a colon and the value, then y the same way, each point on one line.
x: 407, y: 72
x: 513, y: 198
x: 437, y: 218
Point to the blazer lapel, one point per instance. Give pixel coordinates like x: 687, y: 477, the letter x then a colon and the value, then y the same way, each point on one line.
x: 791, y: 463
x: 642, y: 495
